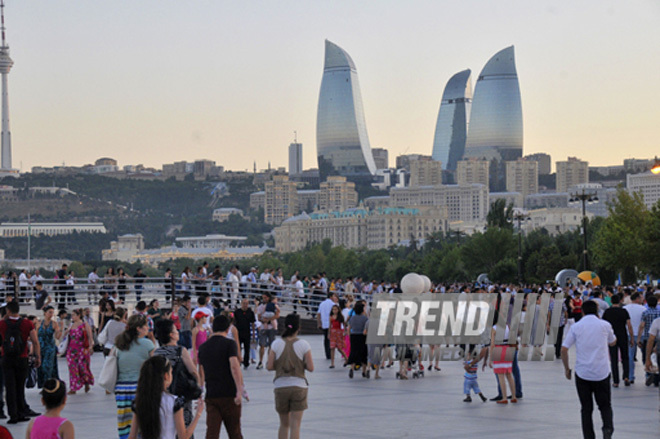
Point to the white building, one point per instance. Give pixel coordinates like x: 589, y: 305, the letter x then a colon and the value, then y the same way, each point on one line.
x: 468, y: 203
x: 571, y: 172
x: 647, y: 184
x: 515, y: 198
x: 208, y: 241
x: 223, y: 213
x: 124, y: 248
x: 556, y: 221
x: 11, y: 230
x: 295, y: 159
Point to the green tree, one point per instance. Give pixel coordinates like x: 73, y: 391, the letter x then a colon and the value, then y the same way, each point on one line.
x: 619, y: 243
x: 484, y: 250
x: 500, y: 215
x: 652, y: 241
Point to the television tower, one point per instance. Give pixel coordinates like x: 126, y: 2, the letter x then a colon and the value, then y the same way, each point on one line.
x: 5, y: 66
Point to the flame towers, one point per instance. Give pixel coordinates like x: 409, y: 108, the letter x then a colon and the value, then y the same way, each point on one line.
x: 452, y: 126
x: 5, y: 65
x: 341, y: 132
x: 496, y: 126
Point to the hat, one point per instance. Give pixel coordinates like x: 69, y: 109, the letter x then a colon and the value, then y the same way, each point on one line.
x: 199, y: 315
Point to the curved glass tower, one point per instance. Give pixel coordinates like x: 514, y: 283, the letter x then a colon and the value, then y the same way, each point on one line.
x: 452, y: 126
x: 496, y: 127
x: 341, y: 133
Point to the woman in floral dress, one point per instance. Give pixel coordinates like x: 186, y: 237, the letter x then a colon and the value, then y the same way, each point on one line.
x: 48, y: 330
x: 78, y: 353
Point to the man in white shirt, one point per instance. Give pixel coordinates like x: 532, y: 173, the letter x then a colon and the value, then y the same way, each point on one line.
x: 591, y: 337
x: 635, y: 309
x: 323, y: 320
x: 92, y: 285
x: 232, y: 281
x: 23, y: 284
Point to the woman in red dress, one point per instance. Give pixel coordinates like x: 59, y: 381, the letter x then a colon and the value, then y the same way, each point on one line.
x: 336, y: 334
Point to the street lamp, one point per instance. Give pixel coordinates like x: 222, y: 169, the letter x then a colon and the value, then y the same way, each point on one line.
x: 584, y: 197
x: 520, y: 216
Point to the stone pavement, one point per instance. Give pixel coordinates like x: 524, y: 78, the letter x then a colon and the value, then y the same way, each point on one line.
x: 431, y: 407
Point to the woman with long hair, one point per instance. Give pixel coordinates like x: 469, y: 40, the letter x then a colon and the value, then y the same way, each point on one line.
x: 48, y: 330
x: 357, y: 325
x: 121, y: 284
x: 168, y: 338
x: 158, y: 414
x: 112, y: 329
x: 79, y: 353
x: 289, y: 357
x: 106, y: 314
x: 132, y: 349
x: 336, y: 334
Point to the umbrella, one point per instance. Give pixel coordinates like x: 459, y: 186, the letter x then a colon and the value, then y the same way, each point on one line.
x: 589, y: 276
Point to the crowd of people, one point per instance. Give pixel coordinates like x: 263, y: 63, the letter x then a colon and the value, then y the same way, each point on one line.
x: 166, y: 356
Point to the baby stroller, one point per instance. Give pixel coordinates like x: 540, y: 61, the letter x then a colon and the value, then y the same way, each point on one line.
x: 408, y: 355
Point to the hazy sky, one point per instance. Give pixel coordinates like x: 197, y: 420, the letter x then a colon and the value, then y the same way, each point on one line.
x: 157, y: 81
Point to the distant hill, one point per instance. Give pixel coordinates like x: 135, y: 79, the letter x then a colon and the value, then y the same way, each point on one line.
x: 150, y: 207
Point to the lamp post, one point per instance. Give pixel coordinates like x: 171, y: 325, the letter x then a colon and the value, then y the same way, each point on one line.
x: 584, y: 197
x: 520, y: 216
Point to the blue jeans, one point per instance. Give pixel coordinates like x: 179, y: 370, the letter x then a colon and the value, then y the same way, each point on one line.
x: 185, y: 339
x: 632, y: 350
x: 516, y: 378
x: 471, y: 385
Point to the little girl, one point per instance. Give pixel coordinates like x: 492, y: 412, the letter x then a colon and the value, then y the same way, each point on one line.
x: 174, y: 315
x: 156, y: 413
x: 199, y: 334
x: 50, y: 425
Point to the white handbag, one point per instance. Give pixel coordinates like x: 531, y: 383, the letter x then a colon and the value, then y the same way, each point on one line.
x: 63, y: 346
x: 108, y: 377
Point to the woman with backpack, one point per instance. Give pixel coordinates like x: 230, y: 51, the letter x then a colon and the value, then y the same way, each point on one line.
x: 168, y: 337
x: 79, y: 353
x: 158, y: 414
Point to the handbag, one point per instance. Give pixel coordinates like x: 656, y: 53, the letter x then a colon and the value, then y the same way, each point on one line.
x: 85, y: 338
x: 63, y: 346
x: 31, y: 381
x: 108, y: 377
x: 183, y: 383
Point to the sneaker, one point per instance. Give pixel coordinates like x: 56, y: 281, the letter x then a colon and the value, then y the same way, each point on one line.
x: 350, y: 373
x: 497, y: 398
x: 467, y: 399
x: 260, y: 366
x: 483, y: 398
x: 649, y: 380
x: 31, y: 414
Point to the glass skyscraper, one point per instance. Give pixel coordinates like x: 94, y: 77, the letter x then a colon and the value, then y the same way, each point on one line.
x: 452, y: 126
x: 341, y: 133
x: 496, y: 126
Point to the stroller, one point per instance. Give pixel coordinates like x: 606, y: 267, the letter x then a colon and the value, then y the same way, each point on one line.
x: 409, y: 357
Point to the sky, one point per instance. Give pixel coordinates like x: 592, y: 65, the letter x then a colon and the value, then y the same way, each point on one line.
x: 158, y: 81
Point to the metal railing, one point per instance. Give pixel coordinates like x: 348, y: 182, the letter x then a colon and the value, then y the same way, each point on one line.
x: 80, y: 292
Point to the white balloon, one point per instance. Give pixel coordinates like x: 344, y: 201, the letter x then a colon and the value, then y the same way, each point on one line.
x: 412, y: 283
x: 427, y: 283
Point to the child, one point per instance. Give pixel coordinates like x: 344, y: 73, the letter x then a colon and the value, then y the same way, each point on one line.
x: 156, y: 413
x: 199, y: 334
x: 53, y: 397
x: 174, y: 315
x: 471, y: 367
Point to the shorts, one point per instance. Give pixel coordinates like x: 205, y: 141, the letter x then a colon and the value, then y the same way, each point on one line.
x: 266, y: 337
x: 471, y: 385
x: 290, y: 399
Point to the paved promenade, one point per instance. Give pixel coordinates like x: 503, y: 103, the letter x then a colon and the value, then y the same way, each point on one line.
x: 431, y: 407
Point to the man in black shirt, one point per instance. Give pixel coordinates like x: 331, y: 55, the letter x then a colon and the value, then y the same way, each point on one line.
x: 244, y: 320
x: 620, y: 321
x: 221, y: 371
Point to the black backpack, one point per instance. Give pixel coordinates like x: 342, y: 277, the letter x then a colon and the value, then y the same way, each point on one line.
x: 13, y: 345
x: 183, y: 383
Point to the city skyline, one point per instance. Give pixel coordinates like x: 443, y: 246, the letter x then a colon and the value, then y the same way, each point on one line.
x: 152, y: 83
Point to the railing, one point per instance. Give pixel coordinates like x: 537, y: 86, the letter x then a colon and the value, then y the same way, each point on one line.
x: 80, y: 292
